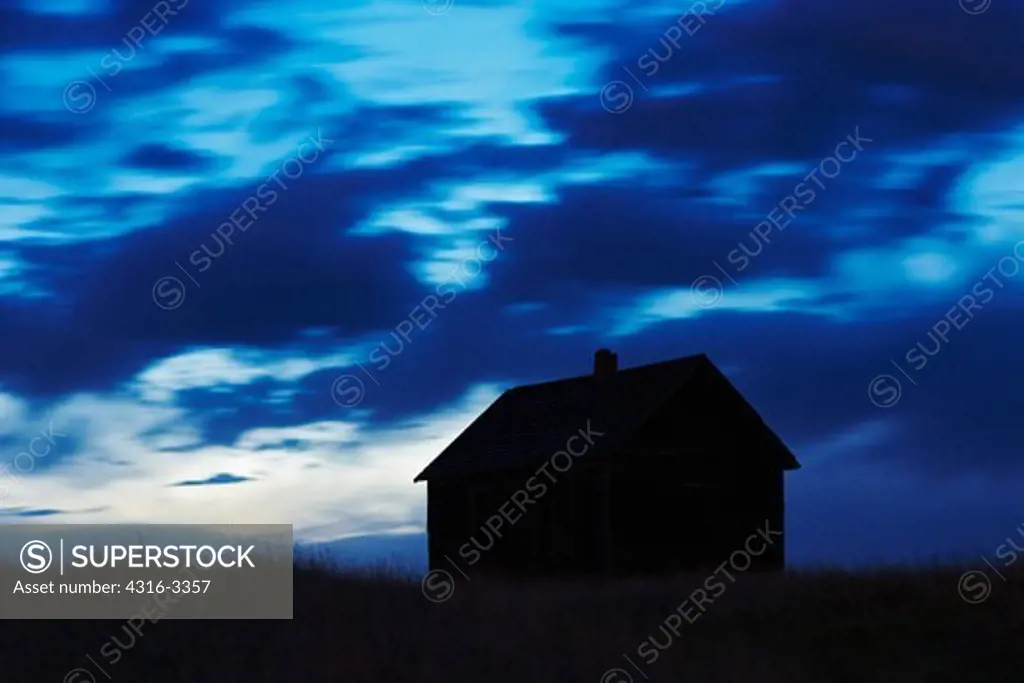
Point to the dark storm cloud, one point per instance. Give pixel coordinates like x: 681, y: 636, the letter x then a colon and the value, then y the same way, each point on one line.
x: 21, y: 132
x: 217, y: 479
x: 937, y: 48
x: 163, y: 157
x: 905, y: 73
x: 223, y: 415
x: 47, y: 348
x: 296, y: 267
x: 42, y: 512
x: 22, y: 29
x: 780, y: 84
x: 630, y: 237
x: 634, y: 238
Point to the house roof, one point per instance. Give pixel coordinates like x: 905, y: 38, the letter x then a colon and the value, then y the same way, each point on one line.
x: 527, y: 424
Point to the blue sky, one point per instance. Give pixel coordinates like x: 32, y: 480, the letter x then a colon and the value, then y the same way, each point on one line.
x: 805, y: 191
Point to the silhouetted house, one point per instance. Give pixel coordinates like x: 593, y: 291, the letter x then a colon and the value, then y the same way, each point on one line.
x: 652, y: 469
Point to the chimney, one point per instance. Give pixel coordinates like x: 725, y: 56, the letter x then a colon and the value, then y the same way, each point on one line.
x: 606, y: 364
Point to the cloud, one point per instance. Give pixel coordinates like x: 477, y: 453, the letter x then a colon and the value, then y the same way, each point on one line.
x: 336, y: 486
x: 42, y: 512
x: 167, y: 158
x: 222, y: 478
x: 780, y: 79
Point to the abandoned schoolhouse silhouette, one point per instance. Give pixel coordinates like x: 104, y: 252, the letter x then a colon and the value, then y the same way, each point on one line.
x: 671, y: 470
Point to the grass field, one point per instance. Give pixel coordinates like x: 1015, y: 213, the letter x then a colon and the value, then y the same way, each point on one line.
x: 814, y: 627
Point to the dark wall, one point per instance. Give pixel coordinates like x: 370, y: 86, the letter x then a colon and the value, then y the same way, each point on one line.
x: 513, y: 522
x: 663, y: 522
x: 658, y: 520
x: 659, y: 524
x: 444, y: 515
x: 752, y: 504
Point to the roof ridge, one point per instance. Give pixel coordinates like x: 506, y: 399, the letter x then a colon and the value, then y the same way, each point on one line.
x: 646, y: 366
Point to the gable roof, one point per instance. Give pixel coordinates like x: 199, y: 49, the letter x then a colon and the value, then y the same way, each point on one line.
x: 527, y: 424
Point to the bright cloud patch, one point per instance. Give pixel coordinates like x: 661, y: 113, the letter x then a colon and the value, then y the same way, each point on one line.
x: 332, y: 487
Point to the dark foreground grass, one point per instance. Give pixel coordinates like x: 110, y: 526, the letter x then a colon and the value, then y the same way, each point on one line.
x: 820, y: 627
